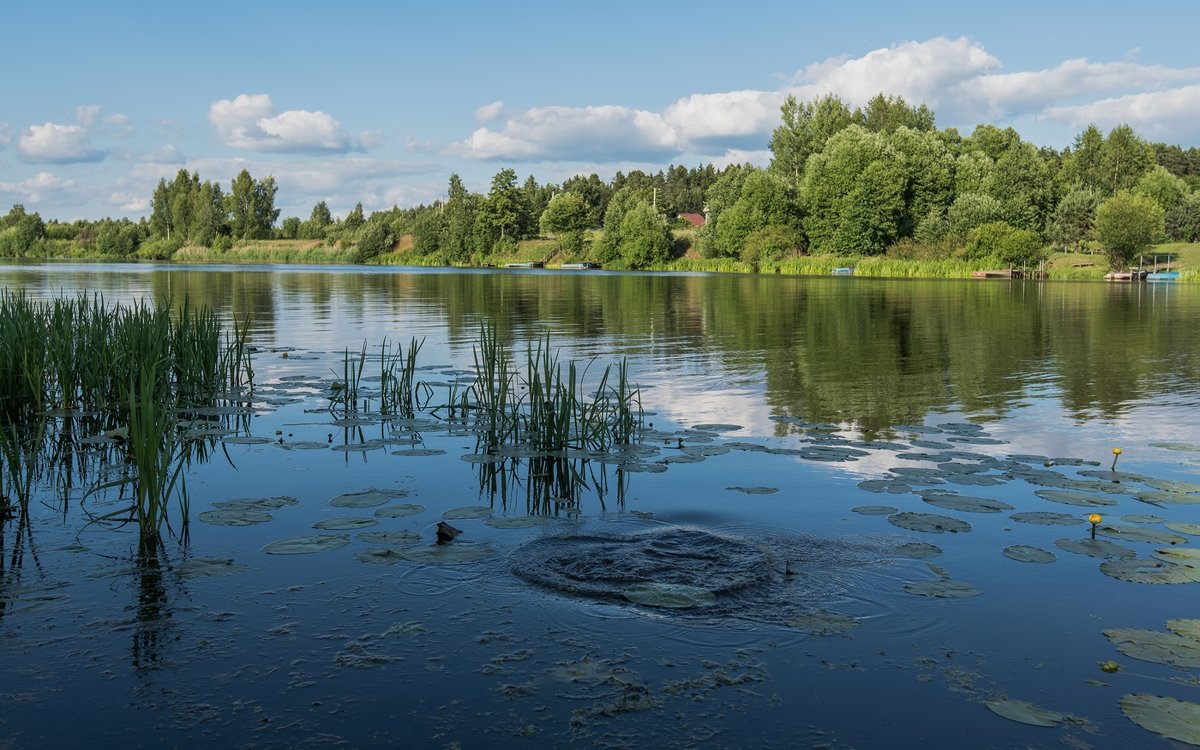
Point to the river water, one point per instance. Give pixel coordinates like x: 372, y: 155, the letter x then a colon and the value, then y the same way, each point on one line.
x: 802, y: 429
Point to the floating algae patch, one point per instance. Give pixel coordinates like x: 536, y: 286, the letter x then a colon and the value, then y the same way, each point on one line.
x: 399, y: 511
x: 1026, y: 553
x: 1025, y: 713
x: 366, y: 498
x: 930, y: 523
x: 345, y: 523
x: 209, y: 567
x: 1156, y: 646
x: 1046, y: 518
x: 306, y: 545
x: 1172, y: 718
x: 745, y: 578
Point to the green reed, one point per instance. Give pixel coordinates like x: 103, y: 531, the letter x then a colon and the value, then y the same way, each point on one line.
x: 72, y: 365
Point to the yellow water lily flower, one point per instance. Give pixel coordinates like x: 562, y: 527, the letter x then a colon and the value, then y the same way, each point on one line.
x: 1095, y: 518
x: 1116, y: 451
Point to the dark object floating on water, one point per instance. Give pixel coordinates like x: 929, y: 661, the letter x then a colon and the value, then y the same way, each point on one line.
x: 446, y: 532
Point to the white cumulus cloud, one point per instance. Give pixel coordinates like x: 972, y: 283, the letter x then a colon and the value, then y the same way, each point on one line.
x: 489, y: 112
x: 57, y: 144
x: 249, y: 121
x: 37, y: 189
x: 1168, y: 115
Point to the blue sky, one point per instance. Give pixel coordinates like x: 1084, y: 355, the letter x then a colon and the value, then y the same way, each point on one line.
x: 380, y: 102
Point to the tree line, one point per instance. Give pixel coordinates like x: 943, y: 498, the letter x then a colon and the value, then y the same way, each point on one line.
x: 878, y: 179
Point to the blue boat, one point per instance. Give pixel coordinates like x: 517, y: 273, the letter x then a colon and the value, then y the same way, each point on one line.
x: 1163, y: 276
x: 845, y: 271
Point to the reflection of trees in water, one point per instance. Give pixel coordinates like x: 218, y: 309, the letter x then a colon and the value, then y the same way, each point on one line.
x: 873, y: 352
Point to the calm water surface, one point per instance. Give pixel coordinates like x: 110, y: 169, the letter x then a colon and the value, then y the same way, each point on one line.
x: 324, y: 649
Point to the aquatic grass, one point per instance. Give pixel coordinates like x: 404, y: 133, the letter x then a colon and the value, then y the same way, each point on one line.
x: 400, y: 392
x: 79, y: 365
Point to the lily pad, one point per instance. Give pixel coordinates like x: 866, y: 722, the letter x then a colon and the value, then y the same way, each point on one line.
x: 717, y: 427
x: 1191, y: 529
x: 1185, y: 628
x: 417, y: 452
x: 1025, y: 713
x: 637, y: 466
x: 966, y: 503
x: 1189, y: 556
x: 874, y: 510
x: 469, y: 511
x: 246, y: 440
x: 234, y: 517
x: 892, y: 486
x: 755, y: 490
x: 670, y: 595
x: 380, y: 556
x: 930, y: 523
x: 446, y: 554
x: 1142, y: 518
x: 1044, y: 518
x: 209, y: 567
x: 303, y: 445
x: 366, y: 498
x: 943, y: 588
x: 1156, y: 646
x: 1071, y: 497
x: 1026, y: 553
x: 391, y: 538
x: 823, y: 623
x: 256, y: 503
x: 1163, y: 497
x: 483, y: 458
x: 344, y: 523
x: 399, y: 511
x: 1172, y: 718
x: 1094, y: 548
x: 517, y: 522
x: 1139, y: 534
x: 305, y: 545
x: 706, y: 450
x: 1183, y: 447
x: 1152, y: 571
x: 1173, y: 485
x: 918, y: 550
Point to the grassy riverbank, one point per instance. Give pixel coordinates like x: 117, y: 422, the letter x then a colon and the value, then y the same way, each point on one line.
x: 1182, y: 257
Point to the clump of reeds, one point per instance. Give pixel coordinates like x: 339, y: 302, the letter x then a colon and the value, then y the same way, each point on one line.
x: 122, y: 366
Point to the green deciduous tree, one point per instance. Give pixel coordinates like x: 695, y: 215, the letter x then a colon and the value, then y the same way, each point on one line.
x: 1126, y: 225
x: 1183, y: 221
x: 645, y: 238
x: 805, y: 130
x: 1162, y: 187
x: 853, y: 193
x: 1074, y: 219
x: 1006, y: 244
x: 251, y: 206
